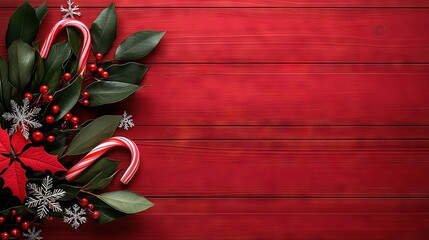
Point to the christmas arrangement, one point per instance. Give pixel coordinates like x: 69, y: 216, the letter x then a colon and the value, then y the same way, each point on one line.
x: 51, y: 161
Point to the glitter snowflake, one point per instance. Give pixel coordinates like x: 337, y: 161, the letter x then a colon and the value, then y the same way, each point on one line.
x: 127, y: 121
x: 33, y: 234
x: 22, y: 117
x: 70, y: 10
x: 75, y: 216
x: 44, y: 198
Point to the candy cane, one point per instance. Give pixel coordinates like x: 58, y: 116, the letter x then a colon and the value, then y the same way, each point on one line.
x: 86, y: 41
x: 99, y: 150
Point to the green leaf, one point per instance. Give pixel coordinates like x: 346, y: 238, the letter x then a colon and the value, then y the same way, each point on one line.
x: 75, y: 40
x: 107, y: 92
x: 125, y: 201
x: 5, y: 87
x: 138, y: 45
x: 100, y: 183
x: 41, y: 12
x: 107, y: 213
x: 58, y: 55
x: 71, y: 192
x: 103, y: 30
x: 128, y: 73
x: 6, y: 212
x: 40, y: 71
x: 67, y: 97
x: 21, y: 62
x: 23, y: 25
x: 102, y: 168
x: 94, y: 133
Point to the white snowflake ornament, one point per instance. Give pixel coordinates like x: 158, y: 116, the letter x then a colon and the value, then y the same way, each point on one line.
x: 33, y: 234
x: 127, y: 121
x: 71, y: 10
x: 75, y: 216
x: 22, y: 117
x: 44, y: 198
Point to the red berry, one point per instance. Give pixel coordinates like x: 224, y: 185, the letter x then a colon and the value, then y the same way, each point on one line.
x: 76, y: 126
x: 50, y: 139
x: 84, y: 202
x: 55, y: 109
x: 37, y: 137
x: 67, y: 76
x: 18, y: 219
x: 50, y: 119
x: 86, y: 95
x: 67, y: 116
x: 99, y: 56
x: 2, y: 219
x: 95, y: 215
x: 100, y: 70
x: 13, y: 212
x: 92, y: 67
x: 44, y: 89
x: 15, y: 232
x: 5, y: 236
x: 74, y: 120
x: 91, y: 206
x: 25, y: 225
x: 105, y: 74
x: 50, y: 218
x: 50, y: 98
x: 85, y: 102
x: 44, y: 97
x: 28, y: 96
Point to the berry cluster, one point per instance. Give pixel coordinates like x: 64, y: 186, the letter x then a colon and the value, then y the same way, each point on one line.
x: 94, y: 214
x: 16, y: 225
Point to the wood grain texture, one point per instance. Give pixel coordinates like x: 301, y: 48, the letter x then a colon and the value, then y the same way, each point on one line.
x: 266, y: 218
x: 273, y: 35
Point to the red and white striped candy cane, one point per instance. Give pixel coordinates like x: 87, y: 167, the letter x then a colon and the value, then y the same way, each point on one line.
x: 86, y: 48
x: 99, y: 150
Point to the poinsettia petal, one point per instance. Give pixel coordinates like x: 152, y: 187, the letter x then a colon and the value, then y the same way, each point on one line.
x: 37, y: 159
x: 19, y: 142
x: 4, y: 142
x: 4, y: 162
x: 15, y: 179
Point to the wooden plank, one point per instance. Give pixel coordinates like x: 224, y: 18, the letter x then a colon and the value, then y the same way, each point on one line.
x: 232, y: 35
x: 281, y: 168
x: 264, y: 219
x: 277, y: 94
x: 232, y: 3
x: 277, y: 132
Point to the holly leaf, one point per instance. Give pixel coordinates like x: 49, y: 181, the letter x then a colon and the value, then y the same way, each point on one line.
x: 5, y: 87
x: 103, y: 30
x: 125, y: 201
x: 37, y: 159
x: 23, y: 25
x: 107, y: 92
x: 75, y: 40
x: 15, y: 179
x: 58, y: 55
x: 138, y: 45
x: 67, y: 97
x: 21, y: 62
x: 41, y: 11
x: 127, y: 73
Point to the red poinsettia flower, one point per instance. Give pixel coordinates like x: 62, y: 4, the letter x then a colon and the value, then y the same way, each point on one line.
x: 15, y: 154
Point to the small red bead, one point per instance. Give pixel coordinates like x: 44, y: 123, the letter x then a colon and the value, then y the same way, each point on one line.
x: 99, y: 56
x: 92, y: 67
x: 67, y: 116
x: 44, y: 97
x: 50, y: 139
x: 55, y: 109
x: 86, y: 95
x: 74, y: 120
x: 76, y: 126
x: 44, y: 89
x: 50, y: 119
x: 100, y: 70
x: 2, y: 219
x: 105, y: 74
x: 67, y: 76
x: 25, y: 225
x: 50, y: 218
x: 95, y: 215
x: 85, y: 102
x: 50, y: 98
x: 91, y: 206
x: 5, y: 236
x: 37, y: 137
x: 84, y: 202
x: 18, y: 219
x: 28, y: 96
x: 13, y: 212
x: 15, y: 232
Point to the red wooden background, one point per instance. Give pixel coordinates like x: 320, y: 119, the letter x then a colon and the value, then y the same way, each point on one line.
x: 275, y: 119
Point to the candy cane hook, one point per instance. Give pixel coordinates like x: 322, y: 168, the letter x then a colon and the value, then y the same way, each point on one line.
x: 99, y: 150
x: 86, y: 41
